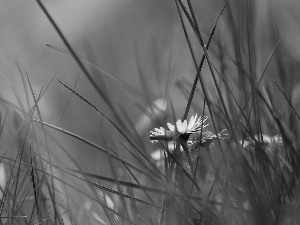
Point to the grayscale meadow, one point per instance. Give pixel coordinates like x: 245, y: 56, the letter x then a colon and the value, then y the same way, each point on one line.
x: 150, y: 112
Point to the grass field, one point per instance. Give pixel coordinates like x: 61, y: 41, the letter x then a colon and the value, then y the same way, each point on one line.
x: 192, y: 120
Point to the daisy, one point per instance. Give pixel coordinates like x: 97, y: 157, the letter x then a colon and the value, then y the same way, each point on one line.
x: 182, y: 128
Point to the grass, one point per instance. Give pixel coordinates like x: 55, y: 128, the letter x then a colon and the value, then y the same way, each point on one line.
x: 241, y: 169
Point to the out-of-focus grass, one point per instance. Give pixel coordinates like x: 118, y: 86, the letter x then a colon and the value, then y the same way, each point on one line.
x: 249, y: 177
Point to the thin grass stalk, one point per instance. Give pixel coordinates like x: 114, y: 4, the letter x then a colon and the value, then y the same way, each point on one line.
x: 18, y: 169
x: 95, y: 146
x: 269, y: 60
x: 78, y: 61
x: 52, y: 194
x: 63, y: 181
x: 36, y: 190
x: 18, y: 175
x: 101, y: 70
x: 25, y: 89
x: 201, y: 41
x: 136, y: 186
x: 78, y: 166
x: 198, y: 68
x: 134, y: 177
x: 119, y: 129
x: 203, y: 86
x: 110, y: 217
x: 92, y: 183
x: 291, y: 105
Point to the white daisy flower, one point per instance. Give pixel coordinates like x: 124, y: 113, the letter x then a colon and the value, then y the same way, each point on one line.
x: 194, y: 126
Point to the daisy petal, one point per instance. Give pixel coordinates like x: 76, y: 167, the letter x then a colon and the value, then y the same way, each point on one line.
x: 179, y: 125
x: 171, y: 127
x: 184, y: 126
x: 192, y: 122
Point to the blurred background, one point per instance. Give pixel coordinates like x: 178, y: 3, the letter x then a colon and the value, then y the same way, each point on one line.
x: 142, y: 44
